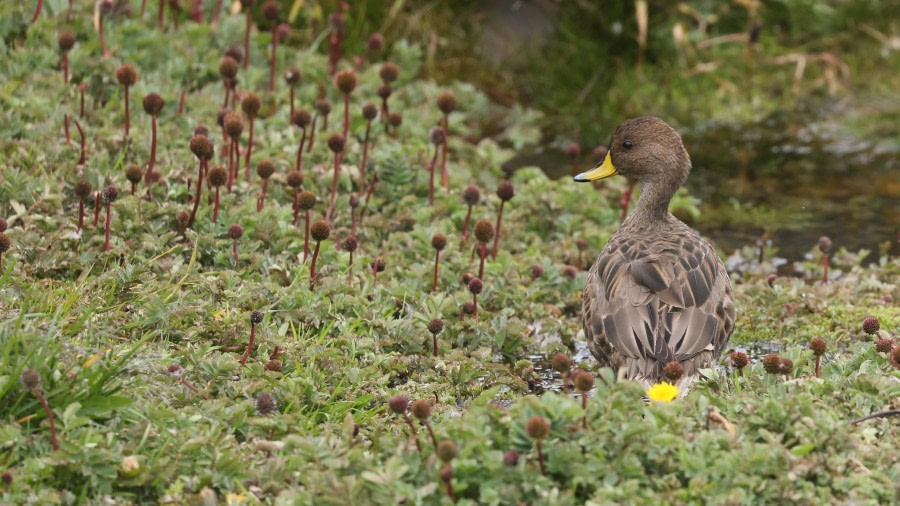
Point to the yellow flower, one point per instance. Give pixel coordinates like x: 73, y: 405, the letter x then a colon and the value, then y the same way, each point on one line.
x: 663, y: 392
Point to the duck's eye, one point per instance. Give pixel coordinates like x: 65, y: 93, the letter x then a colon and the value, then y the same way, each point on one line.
x: 627, y: 144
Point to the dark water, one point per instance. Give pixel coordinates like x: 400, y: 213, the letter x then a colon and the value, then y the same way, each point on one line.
x: 782, y: 180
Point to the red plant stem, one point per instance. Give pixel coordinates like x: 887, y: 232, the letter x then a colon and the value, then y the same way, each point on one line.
x: 133, y: 188
x: 541, y: 458
x: 274, y: 51
x: 108, y: 206
x: 227, y: 92
x: 103, y: 51
x: 365, y: 157
x: 818, y: 362
x: 66, y: 128
x: 231, y: 152
x: 217, y: 12
x: 199, y: 193
x: 324, y: 122
x: 312, y: 266
x: 216, y: 208
x: 368, y: 195
x: 437, y: 259
x: 65, y: 67
x: 350, y: 271
x: 475, y: 306
x: 234, y: 253
x: 37, y: 393
x: 97, y: 209
x: 160, y: 13
x: 374, y: 276
x: 415, y: 433
x: 334, y: 182
x: 296, y: 205
x: 352, y: 222
x: 312, y: 133
x: 482, y: 252
x: 306, y: 238
x: 152, y: 154
x: 825, y: 266
x: 431, y: 168
x: 434, y: 343
x: 584, y: 407
x: 37, y: 14
x: 262, y: 196
x: 741, y: 372
x: 143, y: 7
x: 249, y: 152
x: 247, y: 40
x: 69, y: 12
x: 300, y: 152
x: 249, y: 343
x: 449, y: 484
x: 81, y: 133
x: 80, y: 213
x: 181, y: 103
x: 625, y: 200
x: 385, y: 111
x: 346, y: 113
x: 127, y: 112
x: 292, y: 101
x: 497, y: 231
x: 465, y: 232
x: 81, y: 89
x: 444, y: 178
x: 427, y: 425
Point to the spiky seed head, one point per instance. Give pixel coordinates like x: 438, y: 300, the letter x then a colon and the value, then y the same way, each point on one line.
x: 484, y: 231
x: 770, y: 279
x: 155, y: 176
x: 220, y: 116
x: 395, y: 119
x: 174, y: 370
x: 336, y: 143
x: 438, y: 241
x: 506, y: 191
x: 573, y: 150
x: 817, y: 345
x: 378, y: 265
x: 256, y: 317
x: 30, y: 379
x: 66, y: 41
x: 435, y: 326
x: 599, y: 154
x: 370, y: 111
x: 895, y: 357
x: 871, y: 325
x: 385, y: 91
x: 346, y: 81
x: 283, y: 31
x: 584, y: 381
x: 306, y: 200
x: 471, y: 195
x: 293, y: 76
x: 884, y: 345
x: 233, y: 125
x: 673, y: 371
x: 126, y: 75
x: 510, y: 458
x: 218, y: 175
x: 770, y: 363
x: 467, y: 307
x: 785, y: 366
x: 235, y: 232
x: 738, y: 359
x: 133, y: 173
x: 581, y: 244
x: 5, y: 242
x: 353, y: 200
x: 437, y: 135
x: 466, y: 277
x: 3, y: 225
x: 271, y: 10
x: 106, y: 7
x: 110, y: 193
x: 266, y: 404
x: 320, y: 230
x: 251, y: 104
x: 323, y: 106
x: 83, y: 188
x: 476, y: 286
x: 446, y: 102
x: 421, y: 409
x: 228, y: 67
x: 560, y: 362
x: 447, y: 450
x: 398, y: 404
x: 182, y: 218
x: 570, y: 272
x: 201, y: 147
x: 265, y: 169
x: 537, y: 427
x: 375, y: 42
x: 236, y: 53
x: 273, y: 365
x: 301, y: 118
x: 153, y: 104
x: 389, y: 72
x: 537, y: 270
x: 825, y: 244
x: 446, y: 473
x: 350, y: 244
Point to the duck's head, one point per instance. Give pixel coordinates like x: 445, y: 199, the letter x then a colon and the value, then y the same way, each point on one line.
x: 645, y: 150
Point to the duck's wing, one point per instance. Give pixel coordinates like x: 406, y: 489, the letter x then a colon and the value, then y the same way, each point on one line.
x: 652, y: 299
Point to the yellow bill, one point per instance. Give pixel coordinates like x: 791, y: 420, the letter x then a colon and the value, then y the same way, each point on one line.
x: 603, y: 170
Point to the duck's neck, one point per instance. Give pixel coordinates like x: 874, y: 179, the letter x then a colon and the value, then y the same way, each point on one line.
x: 653, y: 205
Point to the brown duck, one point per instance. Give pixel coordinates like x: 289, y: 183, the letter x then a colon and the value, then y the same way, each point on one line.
x: 657, y: 292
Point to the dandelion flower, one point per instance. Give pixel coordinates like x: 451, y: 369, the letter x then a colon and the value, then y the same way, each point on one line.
x: 662, y: 392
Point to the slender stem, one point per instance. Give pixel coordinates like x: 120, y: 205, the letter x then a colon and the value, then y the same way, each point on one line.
x: 40, y: 395
x: 103, y: 51
x: 216, y: 208
x: 274, y: 51
x: 199, y: 193
x: 247, y: 39
x: 300, y: 152
x: 385, y: 111
x: 415, y: 433
x: 434, y: 344
x: 235, y: 253
x: 249, y: 344
x: 346, y: 113
x: 584, y: 407
x: 306, y: 238
x: 181, y: 102
x: 69, y: 12
x: 741, y: 372
x: 444, y: 179
x: 325, y: 122
x: 217, y: 12
x: 430, y: 432
x: 66, y: 129
x: 108, y: 206
x: 81, y: 133
x: 133, y: 188
x: 474, y: 305
x: 541, y: 458
x: 352, y: 221
x: 334, y: 182
x: 37, y: 14
x: 65, y: 67
x: 81, y: 89
x: 312, y: 266
x: 160, y: 13
x: 350, y: 270
x: 262, y: 196
x: 249, y: 152
x: 365, y: 157
x: 231, y: 151
x: 825, y: 266
x: 127, y: 111
x: 292, y: 101
x: 482, y: 252
x: 449, y: 483
x: 465, y: 233
x: 818, y: 363
x: 497, y: 231
x: 143, y: 7
x: 152, y: 154
x: 80, y: 213
x: 431, y: 168
x: 296, y: 205
x: 437, y: 259
x: 97, y: 209
x: 227, y: 92
x: 312, y: 134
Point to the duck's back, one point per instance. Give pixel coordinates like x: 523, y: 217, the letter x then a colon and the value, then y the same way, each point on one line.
x: 654, y: 296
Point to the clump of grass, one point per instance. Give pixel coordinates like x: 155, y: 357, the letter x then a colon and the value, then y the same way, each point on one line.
x: 250, y: 104
x: 505, y: 191
x: 389, y: 72
x: 435, y: 326
x: 31, y: 380
x: 256, y: 317
x: 398, y: 404
x: 825, y: 245
x: 346, y: 81
x: 447, y: 451
x: 584, y: 382
x: 438, y: 242
x: 110, y: 194
x: 234, y: 126
x: 153, y: 106
x: 349, y: 245
x: 127, y: 76
x: 218, y: 176
x: 336, y: 144
x: 203, y: 149
x: 538, y: 428
x: 292, y: 77
x: 272, y: 12
x: 475, y: 288
x: 438, y: 138
x: 484, y: 232
x: 264, y: 170
x: 471, y: 196
x: 446, y: 102
x: 83, y: 189
x: 228, y: 69
x: 320, y: 231
x: 133, y: 174
x: 739, y: 360
x: 369, y: 111
x: 301, y: 119
x: 235, y: 232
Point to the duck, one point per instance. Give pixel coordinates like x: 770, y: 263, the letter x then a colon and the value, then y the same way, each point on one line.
x: 657, y: 292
